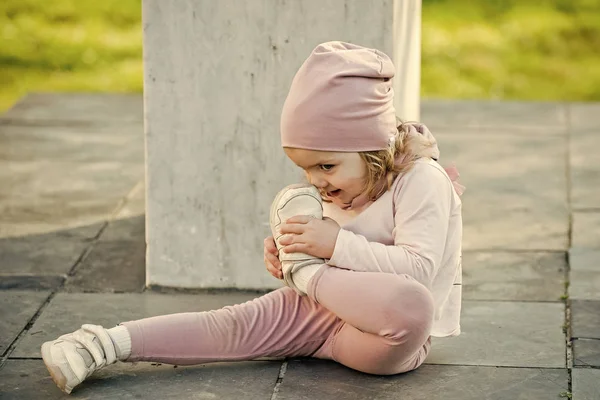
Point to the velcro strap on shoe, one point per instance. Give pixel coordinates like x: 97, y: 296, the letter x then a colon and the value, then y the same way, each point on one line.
x: 105, y: 340
x: 87, y: 341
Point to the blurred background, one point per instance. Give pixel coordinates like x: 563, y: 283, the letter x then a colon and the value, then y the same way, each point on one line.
x: 471, y: 49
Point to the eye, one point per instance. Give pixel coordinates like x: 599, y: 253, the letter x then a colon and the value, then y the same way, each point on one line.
x: 326, y: 167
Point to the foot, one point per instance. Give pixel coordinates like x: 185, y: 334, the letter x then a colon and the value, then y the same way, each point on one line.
x: 73, y: 357
x: 298, y: 199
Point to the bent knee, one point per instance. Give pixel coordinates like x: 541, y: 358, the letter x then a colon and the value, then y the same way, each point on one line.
x: 406, y: 311
x: 392, y: 360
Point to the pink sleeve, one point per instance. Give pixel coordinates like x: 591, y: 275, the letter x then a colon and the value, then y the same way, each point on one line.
x: 423, y: 202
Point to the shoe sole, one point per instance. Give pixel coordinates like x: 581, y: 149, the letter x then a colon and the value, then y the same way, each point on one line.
x: 55, y: 372
x: 275, y: 207
x: 275, y: 204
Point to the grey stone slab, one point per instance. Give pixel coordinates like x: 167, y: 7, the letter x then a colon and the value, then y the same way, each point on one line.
x: 52, y: 253
x: 29, y: 380
x: 586, y: 353
x: 78, y: 107
x: 584, y: 259
x: 493, y: 114
x: 585, y: 319
x: 586, y: 229
x: 586, y: 384
x: 31, y: 282
x: 103, y: 143
x: 117, y: 262
x: 584, y: 115
x: 584, y: 167
x: 316, y: 379
x: 16, y: 309
x: 585, y: 274
x: 523, y: 335
x: 60, y: 177
x: 68, y: 311
x: 516, y: 195
x: 520, y: 276
x: 132, y: 228
x: 585, y: 285
x: 135, y: 203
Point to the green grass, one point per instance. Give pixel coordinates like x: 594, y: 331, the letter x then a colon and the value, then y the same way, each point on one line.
x: 480, y: 49
x: 531, y: 50
x: 69, y: 45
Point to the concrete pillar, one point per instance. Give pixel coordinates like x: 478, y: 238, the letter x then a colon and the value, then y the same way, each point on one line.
x: 216, y: 76
x: 407, y: 59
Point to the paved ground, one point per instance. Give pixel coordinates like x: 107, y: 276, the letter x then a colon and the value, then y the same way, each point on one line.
x: 72, y: 251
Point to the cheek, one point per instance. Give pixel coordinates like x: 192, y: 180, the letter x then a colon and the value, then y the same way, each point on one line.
x: 358, y: 170
x: 358, y: 184
x: 357, y: 176
x: 352, y: 183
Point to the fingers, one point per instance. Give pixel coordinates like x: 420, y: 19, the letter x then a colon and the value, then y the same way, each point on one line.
x: 299, y: 219
x: 271, y: 260
x: 292, y: 228
x: 286, y: 240
x: 275, y: 272
x: 270, y: 245
x: 273, y: 265
x: 295, y: 248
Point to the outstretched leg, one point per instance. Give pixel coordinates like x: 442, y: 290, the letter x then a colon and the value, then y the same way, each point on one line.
x: 280, y: 323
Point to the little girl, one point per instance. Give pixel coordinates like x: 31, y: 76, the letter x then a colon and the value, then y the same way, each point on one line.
x: 370, y: 250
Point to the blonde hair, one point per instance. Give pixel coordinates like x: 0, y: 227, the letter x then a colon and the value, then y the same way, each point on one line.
x: 381, y: 163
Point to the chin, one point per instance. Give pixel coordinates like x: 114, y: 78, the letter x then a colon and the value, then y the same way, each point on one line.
x: 341, y: 204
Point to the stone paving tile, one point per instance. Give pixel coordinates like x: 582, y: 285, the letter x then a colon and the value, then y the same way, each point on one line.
x: 316, y: 379
x: 585, y: 384
x: 135, y: 204
x: 116, y: 262
x: 586, y: 353
x: 586, y: 230
x: 78, y: 107
x: 16, y: 309
x: 494, y: 114
x: 517, y: 199
x: 523, y: 334
x: 93, y: 144
x: 584, y: 168
x: 584, y: 115
x: 584, y: 276
x: 62, y: 177
x: 43, y: 260
x: 29, y: 380
x: 68, y: 311
x: 31, y: 282
x: 585, y: 319
x: 521, y: 276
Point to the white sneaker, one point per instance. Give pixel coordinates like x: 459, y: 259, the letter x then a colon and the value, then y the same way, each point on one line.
x: 73, y: 357
x: 297, y: 199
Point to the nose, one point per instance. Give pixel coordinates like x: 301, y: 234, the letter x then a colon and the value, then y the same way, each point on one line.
x: 316, y: 180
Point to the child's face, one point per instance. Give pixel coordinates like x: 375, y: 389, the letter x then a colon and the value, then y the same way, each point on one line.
x: 339, y: 176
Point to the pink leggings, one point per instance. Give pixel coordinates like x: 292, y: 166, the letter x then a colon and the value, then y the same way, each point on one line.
x: 372, y: 322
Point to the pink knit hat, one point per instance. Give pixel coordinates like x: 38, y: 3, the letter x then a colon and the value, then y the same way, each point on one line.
x: 341, y: 99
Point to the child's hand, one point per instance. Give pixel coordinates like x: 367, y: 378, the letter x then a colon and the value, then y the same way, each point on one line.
x: 309, y: 235
x: 271, y: 258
